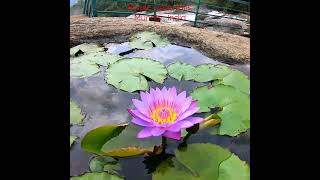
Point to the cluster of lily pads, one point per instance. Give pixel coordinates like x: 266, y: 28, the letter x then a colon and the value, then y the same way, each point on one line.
x: 227, y: 90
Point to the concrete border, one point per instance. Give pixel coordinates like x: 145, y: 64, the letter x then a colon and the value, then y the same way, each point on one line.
x: 225, y: 47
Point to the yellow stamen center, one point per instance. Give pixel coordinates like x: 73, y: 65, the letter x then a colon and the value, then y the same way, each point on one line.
x: 164, y: 115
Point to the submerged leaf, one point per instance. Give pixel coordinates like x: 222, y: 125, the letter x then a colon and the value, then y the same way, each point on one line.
x: 76, y: 116
x: 147, y: 40
x: 97, y: 176
x: 234, y: 169
x: 107, y: 164
x: 210, y: 162
x: 127, y: 143
x: 181, y: 71
x: 235, y: 114
x: 130, y: 74
x: 72, y: 138
x: 96, y: 138
x: 86, y: 48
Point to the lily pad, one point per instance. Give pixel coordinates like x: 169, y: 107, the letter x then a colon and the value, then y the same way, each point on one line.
x: 235, y: 119
x: 206, y: 165
x: 237, y: 80
x: 96, y: 138
x: 82, y: 69
x: 86, y: 48
x: 107, y: 164
x: 130, y: 74
x: 209, y: 72
x: 97, y: 176
x: 72, y: 138
x: 127, y: 143
x: 235, y: 114
x: 234, y: 169
x: 76, y: 117
x: 181, y: 71
x: 100, y: 58
x: 147, y: 40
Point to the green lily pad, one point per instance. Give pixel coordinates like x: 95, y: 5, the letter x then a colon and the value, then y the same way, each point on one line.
x: 147, y: 40
x: 97, y: 176
x: 130, y: 74
x: 107, y: 164
x: 127, y: 143
x: 100, y: 58
x: 181, y: 71
x: 96, y: 138
x: 72, y: 138
x: 235, y: 119
x: 237, y: 80
x: 206, y: 165
x: 234, y: 169
x: 82, y: 69
x: 209, y: 72
x: 76, y: 117
x: 86, y: 48
x: 235, y: 114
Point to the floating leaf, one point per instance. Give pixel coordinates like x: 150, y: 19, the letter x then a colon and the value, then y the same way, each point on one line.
x: 147, y: 40
x: 82, y: 69
x: 206, y: 165
x: 235, y: 119
x: 76, y: 116
x: 235, y: 114
x: 234, y: 169
x: 97, y: 176
x: 101, y: 58
x: 237, y: 80
x: 72, y: 138
x: 112, y: 168
x: 86, y: 48
x: 181, y: 71
x: 130, y: 74
x: 96, y: 138
x: 127, y: 143
x: 209, y: 72
x: 107, y: 164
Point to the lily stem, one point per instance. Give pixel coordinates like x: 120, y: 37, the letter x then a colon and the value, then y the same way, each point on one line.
x: 164, y: 143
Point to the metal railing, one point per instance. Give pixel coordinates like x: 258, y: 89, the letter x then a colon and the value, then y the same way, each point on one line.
x: 90, y: 9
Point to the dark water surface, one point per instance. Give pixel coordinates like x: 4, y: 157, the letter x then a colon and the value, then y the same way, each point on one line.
x: 104, y: 104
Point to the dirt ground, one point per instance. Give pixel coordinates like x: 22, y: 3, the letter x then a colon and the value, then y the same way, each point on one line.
x: 226, y: 47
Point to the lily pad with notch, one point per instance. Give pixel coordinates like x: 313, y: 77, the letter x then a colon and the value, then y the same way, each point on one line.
x: 85, y: 48
x: 100, y: 58
x: 147, y: 40
x: 235, y: 113
x: 210, y: 163
x: 181, y: 71
x: 131, y: 74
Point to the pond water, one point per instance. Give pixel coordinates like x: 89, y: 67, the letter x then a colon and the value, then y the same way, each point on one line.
x: 105, y: 104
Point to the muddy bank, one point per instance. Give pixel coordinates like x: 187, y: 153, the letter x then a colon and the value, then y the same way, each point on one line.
x: 227, y: 47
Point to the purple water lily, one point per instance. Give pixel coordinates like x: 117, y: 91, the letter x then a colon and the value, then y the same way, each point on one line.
x: 163, y: 112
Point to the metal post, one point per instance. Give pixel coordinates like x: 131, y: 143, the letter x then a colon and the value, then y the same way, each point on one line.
x: 94, y: 8
x: 196, y: 18
x: 154, y: 8
x: 84, y: 7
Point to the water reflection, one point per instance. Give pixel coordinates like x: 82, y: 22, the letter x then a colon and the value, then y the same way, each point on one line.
x: 104, y: 104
